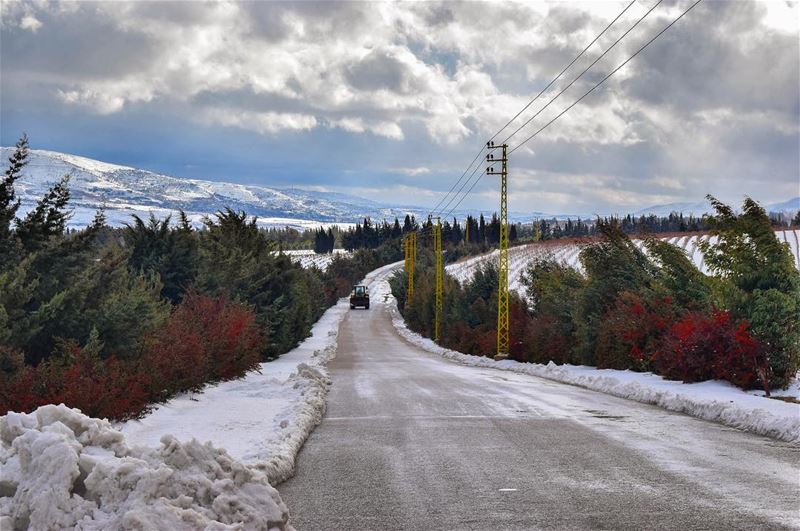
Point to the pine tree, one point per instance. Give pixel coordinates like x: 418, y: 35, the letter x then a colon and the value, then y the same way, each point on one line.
x: 331, y: 240
x: 48, y: 218
x: 9, y: 204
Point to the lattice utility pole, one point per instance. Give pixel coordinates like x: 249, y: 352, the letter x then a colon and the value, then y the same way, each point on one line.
x: 437, y: 242
x: 405, y: 251
x: 502, y: 295
x: 410, y: 248
x: 412, y: 262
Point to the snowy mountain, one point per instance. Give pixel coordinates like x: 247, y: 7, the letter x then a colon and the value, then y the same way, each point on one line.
x: 704, y: 207
x: 697, y: 209
x: 125, y: 191
x: 791, y: 206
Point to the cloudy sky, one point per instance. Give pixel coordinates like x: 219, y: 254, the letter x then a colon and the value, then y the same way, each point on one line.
x: 391, y: 101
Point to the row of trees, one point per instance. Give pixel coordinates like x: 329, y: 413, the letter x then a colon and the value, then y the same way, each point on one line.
x: 650, y: 311
x: 324, y: 241
x: 482, y: 233
x: 148, y: 310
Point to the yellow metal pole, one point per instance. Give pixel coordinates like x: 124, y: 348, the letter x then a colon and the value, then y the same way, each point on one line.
x: 405, y: 250
x: 412, y: 258
x: 437, y: 238
x: 502, y: 269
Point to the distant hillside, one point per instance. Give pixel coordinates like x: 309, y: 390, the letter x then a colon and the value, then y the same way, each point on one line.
x: 125, y: 191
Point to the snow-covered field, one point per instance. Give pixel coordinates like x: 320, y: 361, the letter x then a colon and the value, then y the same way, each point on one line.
x: 518, y: 259
x: 308, y: 259
x: 568, y: 254
x: 60, y: 469
x: 715, y: 401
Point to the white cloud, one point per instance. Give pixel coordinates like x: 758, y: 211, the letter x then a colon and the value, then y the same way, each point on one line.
x: 412, y: 172
x: 29, y: 22
x: 260, y: 122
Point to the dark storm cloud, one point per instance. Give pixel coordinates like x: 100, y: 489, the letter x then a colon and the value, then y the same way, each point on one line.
x: 379, y: 70
x: 76, y: 45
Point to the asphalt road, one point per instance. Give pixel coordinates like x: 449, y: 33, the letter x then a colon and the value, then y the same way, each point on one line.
x: 412, y: 441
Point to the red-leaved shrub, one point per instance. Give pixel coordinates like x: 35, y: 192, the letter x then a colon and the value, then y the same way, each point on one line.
x: 205, y: 339
x: 78, y: 378
x: 545, y: 341
x: 704, y: 347
x: 632, y: 330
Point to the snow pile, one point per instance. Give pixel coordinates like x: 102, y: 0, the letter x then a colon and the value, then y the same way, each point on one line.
x: 262, y: 419
x: 61, y: 469
x: 715, y: 401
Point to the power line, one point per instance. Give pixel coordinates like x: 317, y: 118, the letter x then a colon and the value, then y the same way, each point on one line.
x: 460, y: 189
x: 585, y: 49
x: 564, y: 70
x: 458, y: 181
x: 529, y: 120
x: 648, y: 43
x: 582, y: 97
x: 467, y: 193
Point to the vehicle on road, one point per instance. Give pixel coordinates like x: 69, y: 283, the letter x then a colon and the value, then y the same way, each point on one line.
x: 359, y: 297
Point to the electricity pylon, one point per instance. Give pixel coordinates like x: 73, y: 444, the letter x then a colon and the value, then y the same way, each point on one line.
x: 502, y: 270
x: 410, y: 247
x: 437, y: 242
x: 413, y: 262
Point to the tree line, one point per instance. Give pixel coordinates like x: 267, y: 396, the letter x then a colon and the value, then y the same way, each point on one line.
x: 644, y: 311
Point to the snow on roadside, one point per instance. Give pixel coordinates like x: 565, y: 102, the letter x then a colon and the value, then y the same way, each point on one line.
x: 60, y: 469
x: 715, y: 401
x: 264, y: 418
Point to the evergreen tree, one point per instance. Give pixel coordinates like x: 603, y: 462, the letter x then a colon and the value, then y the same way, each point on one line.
x: 47, y: 219
x: 9, y: 204
x: 171, y: 253
x: 613, y: 266
x: 759, y: 283
x: 331, y: 240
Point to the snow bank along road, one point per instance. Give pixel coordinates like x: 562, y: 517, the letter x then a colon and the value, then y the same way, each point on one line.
x: 413, y: 441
